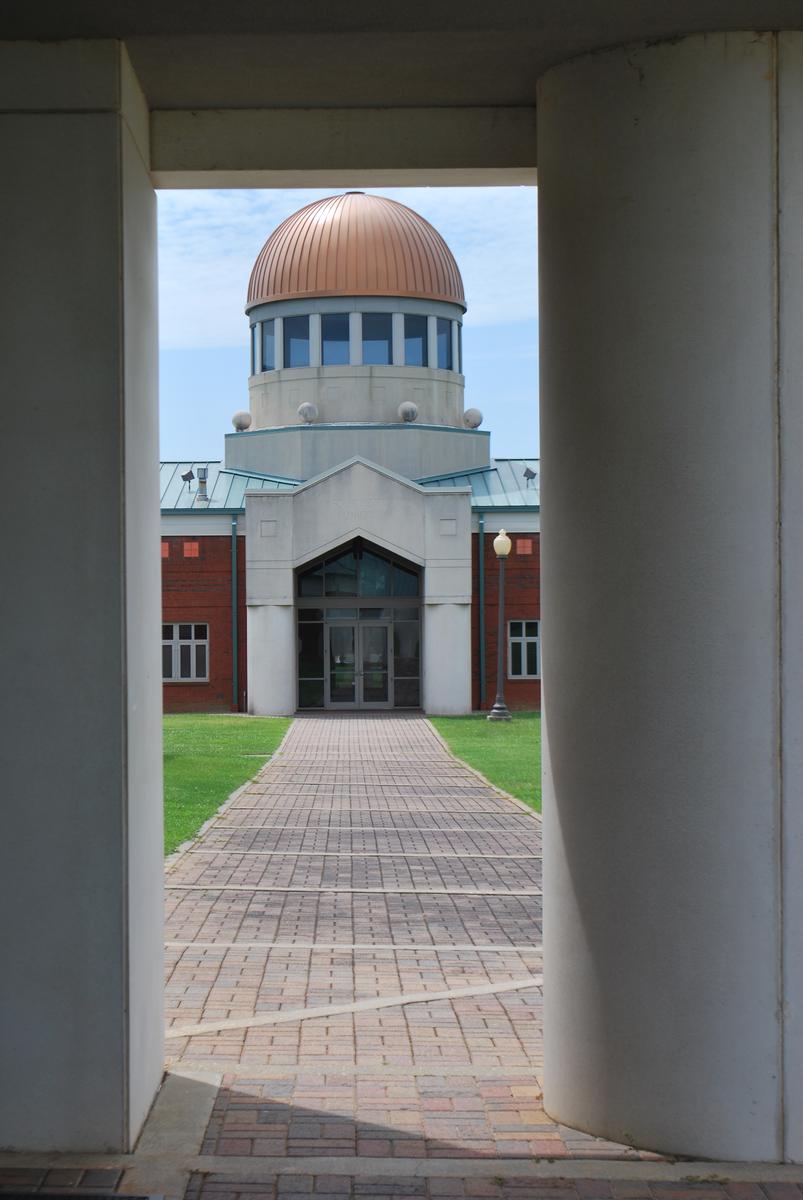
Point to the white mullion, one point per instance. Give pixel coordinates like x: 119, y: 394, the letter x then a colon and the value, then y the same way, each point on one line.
x: 397, y: 339
x: 432, y: 341
x: 315, y: 340
x: 355, y: 339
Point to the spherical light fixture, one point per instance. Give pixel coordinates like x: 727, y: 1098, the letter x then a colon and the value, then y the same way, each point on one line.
x: 408, y: 411
x: 502, y: 544
x: 241, y: 421
x: 472, y: 418
x: 308, y: 412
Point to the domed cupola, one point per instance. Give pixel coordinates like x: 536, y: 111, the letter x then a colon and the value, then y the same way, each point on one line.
x: 356, y: 307
x: 355, y: 245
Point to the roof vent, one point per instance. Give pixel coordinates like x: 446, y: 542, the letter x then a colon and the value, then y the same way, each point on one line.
x: 203, y: 476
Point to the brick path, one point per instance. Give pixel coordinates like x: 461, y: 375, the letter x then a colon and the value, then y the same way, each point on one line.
x: 364, y: 864
x: 354, y: 994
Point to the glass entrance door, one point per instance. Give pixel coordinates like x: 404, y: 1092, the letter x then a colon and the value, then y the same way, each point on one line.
x: 342, y: 682
x: 358, y: 666
x: 374, y: 665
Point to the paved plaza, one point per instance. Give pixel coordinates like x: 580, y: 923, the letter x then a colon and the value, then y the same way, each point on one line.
x: 354, y: 996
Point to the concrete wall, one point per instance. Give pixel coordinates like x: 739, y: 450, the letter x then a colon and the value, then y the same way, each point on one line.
x: 670, y: 231
x: 272, y: 661
x: 286, y: 529
x: 356, y: 393
x: 412, y: 450
x: 81, y: 855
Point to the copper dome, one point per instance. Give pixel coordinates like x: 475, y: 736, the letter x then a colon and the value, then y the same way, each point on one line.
x: 355, y: 245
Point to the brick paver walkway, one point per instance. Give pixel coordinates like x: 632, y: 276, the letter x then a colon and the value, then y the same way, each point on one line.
x: 364, y: 864
x: 354, y: 998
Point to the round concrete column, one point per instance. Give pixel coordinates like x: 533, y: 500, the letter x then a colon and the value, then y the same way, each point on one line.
x: 671, y: 310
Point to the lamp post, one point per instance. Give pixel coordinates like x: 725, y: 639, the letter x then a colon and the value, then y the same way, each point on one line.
x: 499, y: 712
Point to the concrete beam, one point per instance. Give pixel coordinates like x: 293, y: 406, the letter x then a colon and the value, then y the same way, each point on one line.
x: 337, y: 147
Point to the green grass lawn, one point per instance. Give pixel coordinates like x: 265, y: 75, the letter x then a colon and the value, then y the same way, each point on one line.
x: 205, y: 759
x: 506, y: 752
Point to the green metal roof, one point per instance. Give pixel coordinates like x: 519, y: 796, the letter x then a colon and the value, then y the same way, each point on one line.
x: 502, y: 485
x: 225, y: 487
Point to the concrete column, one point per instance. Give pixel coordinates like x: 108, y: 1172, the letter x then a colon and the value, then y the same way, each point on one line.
x: 278, y: 342
x: 81, y: 852
x: 446, y: 658
x: 355, y: 339
x: 398, y: 339
x: 272, y: 649
x: 671, y: 221
x: 315, y: 339
x: 455, y: 347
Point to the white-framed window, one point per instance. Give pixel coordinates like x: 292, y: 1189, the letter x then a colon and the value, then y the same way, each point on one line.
x: 185, y: 652
x: 524, y: 649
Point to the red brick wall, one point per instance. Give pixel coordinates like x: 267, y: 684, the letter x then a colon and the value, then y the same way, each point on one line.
x: 199, y: 589
x: 522, y: 602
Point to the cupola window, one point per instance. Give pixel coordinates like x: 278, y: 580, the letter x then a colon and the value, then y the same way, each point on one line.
x: 377, y: 339
x: 335, y: 339
x: 296, y: 341
x: 415, y: 340
x: 444, y: 344
x: 269, y: 345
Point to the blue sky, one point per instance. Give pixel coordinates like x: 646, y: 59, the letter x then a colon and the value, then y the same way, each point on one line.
x: 208, y: 241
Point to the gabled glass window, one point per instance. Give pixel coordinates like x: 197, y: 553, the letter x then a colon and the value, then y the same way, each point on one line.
x: 444, y: 344
x: 335, y: 339
x: 358, y: 571
x: 415, y: 341
x: 341, y: 575
x: 377, y: 339
x: 374, y: 575
x: 269, y: 345
x: 296, y: 341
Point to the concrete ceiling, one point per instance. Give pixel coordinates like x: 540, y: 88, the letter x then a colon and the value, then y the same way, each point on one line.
x: 192, y: 54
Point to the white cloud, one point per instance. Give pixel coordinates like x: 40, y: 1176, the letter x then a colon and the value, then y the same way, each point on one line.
x: 208, y: 241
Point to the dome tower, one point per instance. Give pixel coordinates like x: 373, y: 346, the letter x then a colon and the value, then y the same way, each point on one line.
x: 355, y: 305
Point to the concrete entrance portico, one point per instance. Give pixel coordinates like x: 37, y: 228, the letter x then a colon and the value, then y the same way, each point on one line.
x: 287, y: 530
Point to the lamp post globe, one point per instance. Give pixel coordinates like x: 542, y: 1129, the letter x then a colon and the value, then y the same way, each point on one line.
x: 500, y: 712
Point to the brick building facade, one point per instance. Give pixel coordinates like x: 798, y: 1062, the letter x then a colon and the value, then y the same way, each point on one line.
x: 196, y: 587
